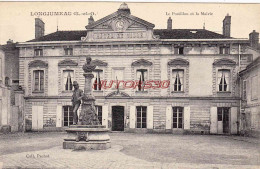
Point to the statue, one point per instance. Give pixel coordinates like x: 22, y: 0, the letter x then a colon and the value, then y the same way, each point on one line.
x: 76, y: 101
x: 88, y: 114
x: 88, y: 132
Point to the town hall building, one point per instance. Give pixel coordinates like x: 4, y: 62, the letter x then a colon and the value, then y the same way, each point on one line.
x: 199, y: 67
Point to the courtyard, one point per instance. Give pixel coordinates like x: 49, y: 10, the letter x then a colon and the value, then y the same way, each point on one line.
x: 131, y: 150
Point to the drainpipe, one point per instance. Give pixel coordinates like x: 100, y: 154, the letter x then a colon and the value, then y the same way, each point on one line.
x: 240, y: 90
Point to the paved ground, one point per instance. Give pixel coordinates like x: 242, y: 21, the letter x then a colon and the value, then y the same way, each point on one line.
x: 44, y: 150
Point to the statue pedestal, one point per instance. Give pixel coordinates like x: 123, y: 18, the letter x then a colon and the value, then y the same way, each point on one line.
x: 87, y: 137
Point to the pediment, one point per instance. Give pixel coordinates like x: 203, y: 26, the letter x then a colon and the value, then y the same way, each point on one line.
x: 67, y: 62
x: 224, y: 61
x: 178, y: 61
x: 38, y: 63
x: 118, y: 94
x: 119, y: 26
x: 99, y: 62
x: 142, y: 62
x: 119, y: 22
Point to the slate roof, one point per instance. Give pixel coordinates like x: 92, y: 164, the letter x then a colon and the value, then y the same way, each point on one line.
x: 188, y: 34
x: 163, y: 33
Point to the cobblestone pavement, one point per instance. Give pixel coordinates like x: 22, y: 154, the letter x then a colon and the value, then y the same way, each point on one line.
x: 127, y: 150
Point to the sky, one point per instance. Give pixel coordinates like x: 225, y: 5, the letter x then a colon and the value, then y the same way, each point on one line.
x: 17, y: 18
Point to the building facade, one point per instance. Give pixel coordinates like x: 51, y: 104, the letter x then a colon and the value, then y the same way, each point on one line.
x: 250, y: 104
x: 11, y: 97
x: 169, y: 80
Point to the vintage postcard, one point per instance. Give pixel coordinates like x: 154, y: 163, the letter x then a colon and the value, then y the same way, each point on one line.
x: 105, y: 85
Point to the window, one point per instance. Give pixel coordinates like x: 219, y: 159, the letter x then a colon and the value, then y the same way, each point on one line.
x: 141, y: 116
x: 99, y: 113
x: 118, y: 74
x: 179, y: 50
x: 38, y: 52
x: 97, y: 80
x: 68, y: 77
x: 68, y: 51
x: 223, y: 50
x: 254, y: 85
x: 221, y: 112
x: 244, y: 90
x: 38, y: 80
x: 223, y: 80
x: 141, y: 76
x: 177, y: 117
x: 178, y: 79
x: 67, y: 115
x: 7, y: 81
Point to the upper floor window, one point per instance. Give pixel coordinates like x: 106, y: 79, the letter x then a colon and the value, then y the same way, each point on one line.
x: 118, y: 75
x: 223, y: 80
x: 141, y: 116
x: 99, y: 113
x: 68, y: 78
x: 177, y: 117
x: 68, y: 51
x: 97, y: 80
x: 38, y: 80
x: 244, y: 90
x: 254, y: 88
x: 224, y: 50
x: 179, y: 50
x: 7, y: 81
x: 178, y: 78
x: 38, y: 52
x: 142, y: 77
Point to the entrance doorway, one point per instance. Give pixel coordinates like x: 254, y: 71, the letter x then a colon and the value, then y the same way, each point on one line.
x: 223, y: 120
x: 118, y: 118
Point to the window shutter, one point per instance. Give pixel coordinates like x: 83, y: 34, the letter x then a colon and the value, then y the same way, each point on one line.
x: 233, y: 120
x: 168, y: 117
x: 37, y: 117
x: 132, y: 117
x: 105, y: 116
x: 187, y: 118
x: 59, y: 116
x: 213, y: 120
x: 150, y: 117
x: 40, y: 117
x: 34, y: 118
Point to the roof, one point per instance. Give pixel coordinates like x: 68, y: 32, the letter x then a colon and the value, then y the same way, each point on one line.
x: 163, y: 33
x: 188, y: 34
x: 62, y: 36
x: 252, y: 65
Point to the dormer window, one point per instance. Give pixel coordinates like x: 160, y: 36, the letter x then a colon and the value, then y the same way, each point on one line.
x: 38, y: 52
x: 68, y: 51
x: 179, y: 50
x: 224, y: 50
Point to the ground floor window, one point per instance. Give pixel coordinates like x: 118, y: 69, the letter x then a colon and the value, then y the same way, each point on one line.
x: 99, y: 113
x: 177, y: 117
x: 141, y: 116
x: 67, y: 115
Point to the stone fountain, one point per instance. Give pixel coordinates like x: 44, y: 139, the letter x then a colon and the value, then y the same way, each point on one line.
x: 87, y: 133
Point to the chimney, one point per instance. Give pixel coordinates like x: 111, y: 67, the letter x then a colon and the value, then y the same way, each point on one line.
x: 254, y: 39
x: 227, y: 25
x: 10, y: 41
x: 169, y: 23
x: 90, y: 19
x: 39, y: 28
